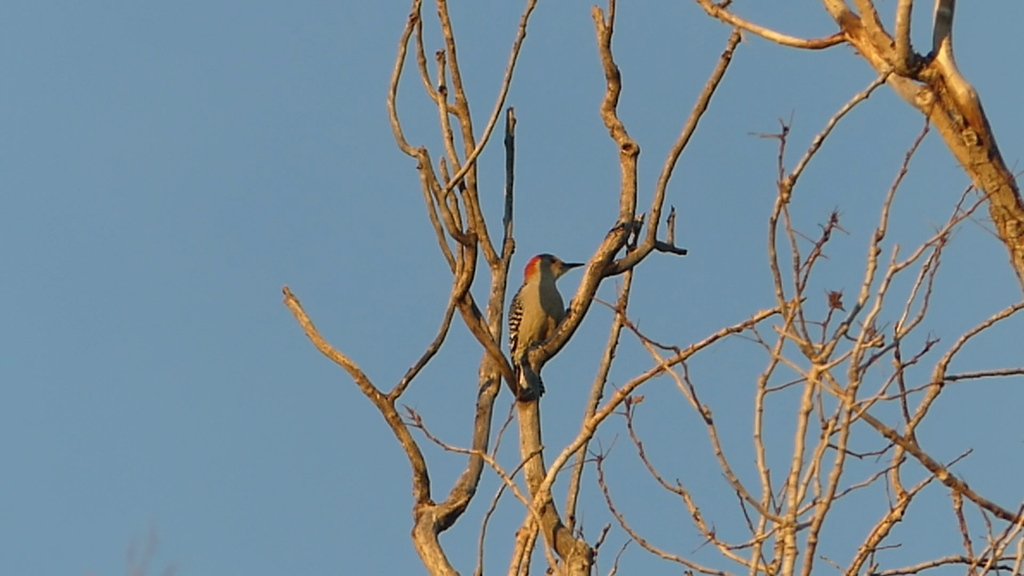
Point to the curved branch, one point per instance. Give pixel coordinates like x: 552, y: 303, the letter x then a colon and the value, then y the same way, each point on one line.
x: 629, y: 150
x: 430, y: 518
x: 396, y: 76
x: 421, y: 479
x: 716, y: 11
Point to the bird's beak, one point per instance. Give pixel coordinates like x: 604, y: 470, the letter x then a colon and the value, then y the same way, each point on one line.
x: 571, y: 265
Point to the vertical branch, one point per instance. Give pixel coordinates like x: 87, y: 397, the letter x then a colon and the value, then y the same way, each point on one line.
x: 789, y: 527
x: 904, y: 63
x: 421, y: 61
x: 763, y: 467
x: 824, y: 502
x: 436, y: 206
x: 577, y: 556
x: 596, y: 393
x: 942, y: 50
x: 396, y: 76
x: 781, y: 200
x: 942, y: 25
x: 444, y: 109
x: 629, y: 150
x: 461, y: 106
x: 508, y: 244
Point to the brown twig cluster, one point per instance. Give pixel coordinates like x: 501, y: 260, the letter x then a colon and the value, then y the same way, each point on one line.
x: 931, y: 83
x: 833, y: 358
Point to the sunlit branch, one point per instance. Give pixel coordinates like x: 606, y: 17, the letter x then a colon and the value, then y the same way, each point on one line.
x: 421, y: 480
x: 904, y: 63
x: 724, y: 15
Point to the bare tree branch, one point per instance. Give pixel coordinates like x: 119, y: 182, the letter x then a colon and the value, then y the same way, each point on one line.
x: 717, y: 11
x: 904, y: 64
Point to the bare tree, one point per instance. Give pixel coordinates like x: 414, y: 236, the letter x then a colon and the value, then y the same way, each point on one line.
x: 854, y: 362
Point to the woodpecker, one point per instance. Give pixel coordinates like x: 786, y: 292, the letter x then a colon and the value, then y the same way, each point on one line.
x: 536, y: 311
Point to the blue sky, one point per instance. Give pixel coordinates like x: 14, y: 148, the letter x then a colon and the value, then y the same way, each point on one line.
x: 167, y: 168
